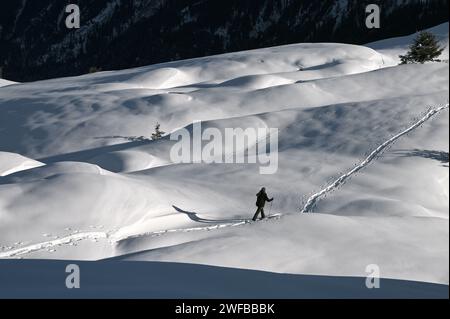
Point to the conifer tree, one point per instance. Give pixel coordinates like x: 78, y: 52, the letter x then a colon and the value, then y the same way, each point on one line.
x: 424, y: 48
x: 158, y: 133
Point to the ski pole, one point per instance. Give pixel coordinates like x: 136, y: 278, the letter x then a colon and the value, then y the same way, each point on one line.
x: 270, y: 209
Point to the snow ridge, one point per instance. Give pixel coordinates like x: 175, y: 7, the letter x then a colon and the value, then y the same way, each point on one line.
x: 308, y: 207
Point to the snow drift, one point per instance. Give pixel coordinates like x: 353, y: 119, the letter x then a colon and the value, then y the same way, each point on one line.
x: 98, y: 187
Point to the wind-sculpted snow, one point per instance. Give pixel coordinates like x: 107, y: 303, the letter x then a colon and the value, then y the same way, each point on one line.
x: 362, y: 143
x: 11, y: 163
x: 115, y: 238
x: 96, y: 110
x: 6, y: 82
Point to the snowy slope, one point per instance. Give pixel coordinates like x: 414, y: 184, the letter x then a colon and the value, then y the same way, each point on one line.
x: 172, y: 27
x: 89, y: 111
x: 11, y: 163
x: 143, y: 280
x: 108, y: 191
x: 392, y: 48
x: 5, y: 82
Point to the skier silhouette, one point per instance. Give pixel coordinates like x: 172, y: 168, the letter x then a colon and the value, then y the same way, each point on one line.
x: 261, y: 199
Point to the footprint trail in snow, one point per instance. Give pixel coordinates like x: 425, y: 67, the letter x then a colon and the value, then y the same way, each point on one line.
x: 310, y: 203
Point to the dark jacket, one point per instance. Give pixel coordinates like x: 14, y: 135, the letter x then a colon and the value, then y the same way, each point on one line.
x: 262, y: 198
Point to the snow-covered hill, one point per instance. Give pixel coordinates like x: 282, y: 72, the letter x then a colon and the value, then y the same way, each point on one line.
x: 366, y: 139
x: 12, y: 163
x: 5, y: 82
x: 114, y: 34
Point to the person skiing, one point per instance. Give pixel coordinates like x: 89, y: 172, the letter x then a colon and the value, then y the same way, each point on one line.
x: 261, y: 199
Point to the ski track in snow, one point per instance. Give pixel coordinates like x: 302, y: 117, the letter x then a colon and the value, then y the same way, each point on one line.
x: 206, y: 228
x: 53, y: 243
x: 113, y: 240
x: 339, y: 181
x: 310, y: 203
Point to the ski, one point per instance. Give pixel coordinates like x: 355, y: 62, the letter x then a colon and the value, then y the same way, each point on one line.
x: 273, y: 216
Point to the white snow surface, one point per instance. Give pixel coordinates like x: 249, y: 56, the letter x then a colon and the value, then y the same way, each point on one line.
x: 6, y: 82
x: 392, y: 48
x: 11, y: 163
x: 363, y: 145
